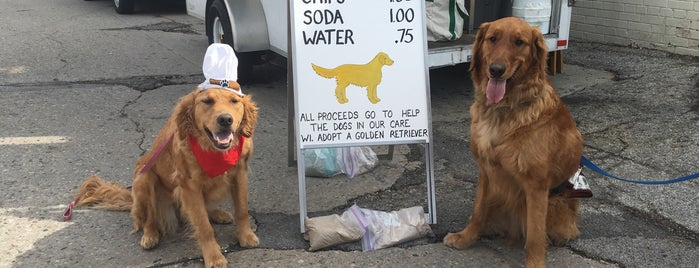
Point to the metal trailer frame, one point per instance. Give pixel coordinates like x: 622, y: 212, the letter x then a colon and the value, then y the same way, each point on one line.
x: 260, y: 25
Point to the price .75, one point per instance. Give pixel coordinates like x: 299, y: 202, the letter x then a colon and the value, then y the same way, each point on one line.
x: 405, y: 35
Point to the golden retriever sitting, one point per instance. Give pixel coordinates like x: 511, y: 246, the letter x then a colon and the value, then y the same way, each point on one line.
x: 362, y: 75
x: 213, y: 122
x: 525, y: 142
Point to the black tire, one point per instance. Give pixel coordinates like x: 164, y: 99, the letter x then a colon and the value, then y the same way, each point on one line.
x: 124, y: 6
x: 218, y: 14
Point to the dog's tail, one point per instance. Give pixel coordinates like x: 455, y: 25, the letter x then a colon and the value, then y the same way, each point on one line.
x: 98, y: 193
x: 324, y: 72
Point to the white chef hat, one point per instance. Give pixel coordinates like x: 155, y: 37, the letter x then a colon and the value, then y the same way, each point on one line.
x: 220, y: 66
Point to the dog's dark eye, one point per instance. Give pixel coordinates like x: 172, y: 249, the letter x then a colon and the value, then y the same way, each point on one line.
x: 208, y: 101
x: 519, y: 42
x: 493, y: 39
x: 234, y: 100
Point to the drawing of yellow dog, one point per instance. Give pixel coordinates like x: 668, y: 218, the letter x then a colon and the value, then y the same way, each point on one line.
x: 362, y: 75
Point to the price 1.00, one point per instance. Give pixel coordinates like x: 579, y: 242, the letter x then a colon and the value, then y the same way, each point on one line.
x: 401, y: 15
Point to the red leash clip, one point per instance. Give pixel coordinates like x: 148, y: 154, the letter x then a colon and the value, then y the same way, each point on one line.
x: 69, y: 210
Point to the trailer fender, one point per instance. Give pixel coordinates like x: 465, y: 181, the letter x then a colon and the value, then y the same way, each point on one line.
x: 248, y: 24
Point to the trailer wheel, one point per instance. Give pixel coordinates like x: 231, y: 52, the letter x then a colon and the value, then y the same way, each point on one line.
x: 219, y: 26
x: 124, y: 6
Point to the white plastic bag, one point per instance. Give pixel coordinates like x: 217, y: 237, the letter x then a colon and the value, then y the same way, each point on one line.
x: 385, y: 229
x: 357, y: 160
x: 445, y: 19
x: 328, y: 162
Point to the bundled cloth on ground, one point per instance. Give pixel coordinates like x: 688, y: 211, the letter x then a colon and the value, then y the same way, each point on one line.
x: 376, y: 229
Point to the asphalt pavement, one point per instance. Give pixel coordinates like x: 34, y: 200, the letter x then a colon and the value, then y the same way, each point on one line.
x: 88, y: 89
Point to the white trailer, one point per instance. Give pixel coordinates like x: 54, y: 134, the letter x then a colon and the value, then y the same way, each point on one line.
x: 253, y: 27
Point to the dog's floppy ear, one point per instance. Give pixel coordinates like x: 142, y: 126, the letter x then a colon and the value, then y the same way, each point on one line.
x: 476, y: 54
x: 247, y: 125
x: 539, y: 51
x: 184, y: 114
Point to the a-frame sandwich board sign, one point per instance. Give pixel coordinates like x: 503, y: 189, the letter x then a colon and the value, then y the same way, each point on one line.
x: 360, y: 78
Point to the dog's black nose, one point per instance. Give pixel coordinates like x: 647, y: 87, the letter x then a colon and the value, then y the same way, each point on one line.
x: 224, y: 120
x: 496, y: 70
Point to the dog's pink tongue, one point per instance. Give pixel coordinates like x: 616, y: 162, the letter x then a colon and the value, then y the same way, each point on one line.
x: 223, y: 137
x: 495, y: 90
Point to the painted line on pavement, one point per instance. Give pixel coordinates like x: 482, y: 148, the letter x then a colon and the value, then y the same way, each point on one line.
x: 32, y: 140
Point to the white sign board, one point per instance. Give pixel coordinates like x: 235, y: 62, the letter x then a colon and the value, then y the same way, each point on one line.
x: 360, y: 74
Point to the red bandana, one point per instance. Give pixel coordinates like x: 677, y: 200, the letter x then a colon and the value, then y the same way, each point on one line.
x: 215, y: 163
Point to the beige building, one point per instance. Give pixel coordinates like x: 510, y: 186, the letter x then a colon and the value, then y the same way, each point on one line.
x: 670, y: 25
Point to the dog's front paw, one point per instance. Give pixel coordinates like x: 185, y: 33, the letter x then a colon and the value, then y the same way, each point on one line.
x: 215, y: 260
x: 220, y: 216
x: 248, y: 239
x: 458, y: 240
x: 149, y: 242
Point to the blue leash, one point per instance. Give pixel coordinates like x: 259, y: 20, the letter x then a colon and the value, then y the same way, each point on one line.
x: 585, y: 162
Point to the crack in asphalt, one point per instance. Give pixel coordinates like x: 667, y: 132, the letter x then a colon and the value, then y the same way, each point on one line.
x: 144, y: 84
x: 166, y: 26
x: 618, y: 76
x: 591, y: 256
x: 59, y: 48
x: 655, y: 219
x: 139, y: 128
x: 158, y: 263
x: 617, y: 157
x: 147, y: 83
x: 141, y: 84
x: 138, y: 83
x: 695, y: 105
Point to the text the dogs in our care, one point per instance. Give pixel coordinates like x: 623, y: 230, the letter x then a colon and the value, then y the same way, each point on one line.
x: 351, y: 126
